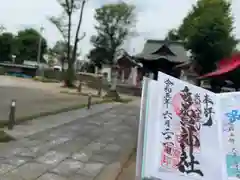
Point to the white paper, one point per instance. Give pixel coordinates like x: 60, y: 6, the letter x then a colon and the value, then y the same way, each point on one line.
x: 229, y: 109
x: 206, y: 150
x: 152, y: 112
x: 141, y: 128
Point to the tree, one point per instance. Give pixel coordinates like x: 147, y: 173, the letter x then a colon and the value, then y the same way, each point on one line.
x: 207, y: 32
x: 27, y: 45
x: 2, y: 29
x: 7, y: 46
x: 64, y: 25
x: 114, y: 24
x: 173, y: 35
x: 97, y: 56
x: 61, y: 49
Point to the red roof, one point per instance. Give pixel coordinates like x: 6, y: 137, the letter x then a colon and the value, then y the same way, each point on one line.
x: 225, y: 66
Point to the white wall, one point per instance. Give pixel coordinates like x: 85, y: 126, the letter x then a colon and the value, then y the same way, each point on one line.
x: 107, y: 69
x: 188, y: 77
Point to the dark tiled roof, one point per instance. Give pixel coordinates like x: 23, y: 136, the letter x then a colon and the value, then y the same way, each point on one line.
x: 123, y: 54
x: 18, y: 65
x: 152, y: 46
x: 186, y: 64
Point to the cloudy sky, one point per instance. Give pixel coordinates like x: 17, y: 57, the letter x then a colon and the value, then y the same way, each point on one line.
x: 155, y: 18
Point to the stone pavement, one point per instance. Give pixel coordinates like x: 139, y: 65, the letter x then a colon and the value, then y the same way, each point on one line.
x: 92, y: 147
x: 129, y: 170
x: 43, y: 123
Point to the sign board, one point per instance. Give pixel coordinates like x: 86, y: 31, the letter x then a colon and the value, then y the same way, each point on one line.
x: 229, y: 113
x: 147, y: 113
x: 181, y: 132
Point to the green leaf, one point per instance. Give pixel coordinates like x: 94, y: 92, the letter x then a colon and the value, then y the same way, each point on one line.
x: 27, y: 42
x: 207, y: 32
x: 114, y: 24
x: 7, y: 46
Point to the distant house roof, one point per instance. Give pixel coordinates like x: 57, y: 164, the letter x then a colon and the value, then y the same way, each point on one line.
x: 123, y: 54
x: 153, y: 51
x: 34, y: 63
x: 17, y: 65
x: 30, y: 63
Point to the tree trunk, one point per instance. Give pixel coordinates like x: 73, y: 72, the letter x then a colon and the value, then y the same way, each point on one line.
x: 62, y: 58
x: 69, y: 76
x: 69, y: 38
x: 70, y: 73
x: 74, y: 53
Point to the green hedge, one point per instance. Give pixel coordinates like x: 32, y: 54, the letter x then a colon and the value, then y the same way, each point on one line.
x: 51, y: 74
x: 57, y: 75
x: 2, y: 71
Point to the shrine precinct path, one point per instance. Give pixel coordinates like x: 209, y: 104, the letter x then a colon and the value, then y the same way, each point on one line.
x: 89, y: 148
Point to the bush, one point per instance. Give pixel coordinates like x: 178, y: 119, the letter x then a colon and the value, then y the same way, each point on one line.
x: 43, y: 79
x: 2, y: 71
x: 91, y: 80
x: 5, y: 137
x: 51, y: 74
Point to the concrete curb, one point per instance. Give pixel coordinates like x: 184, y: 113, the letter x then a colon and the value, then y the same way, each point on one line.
x: 22, y: 119
x: 37, y: 126
x: 112, y: 171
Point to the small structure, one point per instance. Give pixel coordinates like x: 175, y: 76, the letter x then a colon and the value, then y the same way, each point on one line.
x: 35, y: 64
x: 19, y: 69
x: 188, y: 73
x: 225, y: 74
x: 162, y: 55
x: 57, y: 68
x: 128, y: 70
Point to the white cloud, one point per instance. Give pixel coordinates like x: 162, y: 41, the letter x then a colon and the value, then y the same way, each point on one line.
x: 155, y: 18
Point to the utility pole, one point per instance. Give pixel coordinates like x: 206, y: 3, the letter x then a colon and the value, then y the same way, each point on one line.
x: 2, y: 29
x: 39, y: 50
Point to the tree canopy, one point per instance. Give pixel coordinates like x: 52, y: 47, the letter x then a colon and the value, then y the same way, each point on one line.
x: 114, y: 23
x: 7, y: 46
x: 173, y: 35
x: 98, y: 56
x: 28, y: 42
x: 24, y: 46
x: 61, y: 48
x: 207, y: 32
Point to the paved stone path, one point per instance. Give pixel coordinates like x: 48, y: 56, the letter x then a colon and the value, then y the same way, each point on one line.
x: 129, y: 170
x: 80, y: 150
x: 48, y: 122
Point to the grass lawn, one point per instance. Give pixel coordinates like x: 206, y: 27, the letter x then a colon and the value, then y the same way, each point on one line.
x: 5, y: 137
x: 19, y: 120
x: 25, y: 118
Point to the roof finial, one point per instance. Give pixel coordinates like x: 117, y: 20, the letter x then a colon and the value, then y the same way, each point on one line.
x: 166, y: 42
